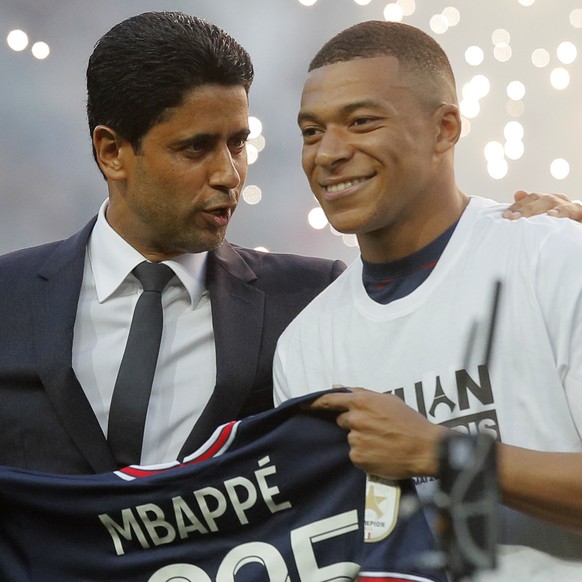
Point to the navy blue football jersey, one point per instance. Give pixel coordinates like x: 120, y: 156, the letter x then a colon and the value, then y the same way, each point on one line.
x: 273, y: 497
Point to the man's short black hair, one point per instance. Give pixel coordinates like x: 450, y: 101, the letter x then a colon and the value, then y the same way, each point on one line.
x: 416, y: 51
x: 147, y: 63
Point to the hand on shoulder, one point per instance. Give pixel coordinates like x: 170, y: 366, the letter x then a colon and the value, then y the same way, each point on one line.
x: 529, y: 204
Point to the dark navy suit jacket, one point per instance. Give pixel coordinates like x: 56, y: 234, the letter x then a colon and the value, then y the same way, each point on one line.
x: 46, y: 422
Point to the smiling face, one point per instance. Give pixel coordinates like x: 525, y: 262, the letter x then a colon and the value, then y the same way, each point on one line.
x: 177, y: 193
x: 372, y: 152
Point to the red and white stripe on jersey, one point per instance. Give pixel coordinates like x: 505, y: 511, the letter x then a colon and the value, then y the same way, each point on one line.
x: 390, y: 577
x: 215, y: 446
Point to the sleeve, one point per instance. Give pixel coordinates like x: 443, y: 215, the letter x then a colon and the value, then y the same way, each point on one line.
x: 299, y: 367
x: 558, y: 284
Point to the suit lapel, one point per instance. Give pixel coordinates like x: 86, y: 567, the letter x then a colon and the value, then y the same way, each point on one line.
x: 237, y: 319
x: 57, y: 296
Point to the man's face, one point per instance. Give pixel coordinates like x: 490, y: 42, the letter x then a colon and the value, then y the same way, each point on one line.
x: 368, y: 147
x: 180, y: 189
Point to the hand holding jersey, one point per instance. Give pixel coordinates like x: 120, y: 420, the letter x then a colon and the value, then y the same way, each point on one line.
x: 386, y: 436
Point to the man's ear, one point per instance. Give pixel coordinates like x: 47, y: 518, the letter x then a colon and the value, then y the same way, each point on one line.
x: 110, y: 149
x: 448, y: 121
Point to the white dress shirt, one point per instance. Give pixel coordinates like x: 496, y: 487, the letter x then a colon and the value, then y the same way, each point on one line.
x: 186, y: 371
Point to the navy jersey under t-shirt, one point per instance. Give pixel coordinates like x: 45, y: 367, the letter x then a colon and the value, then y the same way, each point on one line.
x: 273, y: 497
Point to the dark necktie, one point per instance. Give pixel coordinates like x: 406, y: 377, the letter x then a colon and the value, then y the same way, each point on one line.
x: 134, y: 381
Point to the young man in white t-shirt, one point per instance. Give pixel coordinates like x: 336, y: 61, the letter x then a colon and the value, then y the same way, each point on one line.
x: 412, y: 318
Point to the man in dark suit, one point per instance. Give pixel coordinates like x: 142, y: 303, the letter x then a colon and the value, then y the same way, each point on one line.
x: 168, y: 114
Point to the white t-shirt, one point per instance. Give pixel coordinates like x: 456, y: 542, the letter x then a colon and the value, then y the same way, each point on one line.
x: 430, y: 349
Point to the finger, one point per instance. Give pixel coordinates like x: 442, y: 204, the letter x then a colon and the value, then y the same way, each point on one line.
x: 337, y: 401
x: 522, y: 200
x: 538, y: 207
x: 511, y: 214
x: 520, y: 195
x: 534, y: 204
x: 563, y: 197
x: 342, y: 421
x: 544, y: 203
x: 567, y: 210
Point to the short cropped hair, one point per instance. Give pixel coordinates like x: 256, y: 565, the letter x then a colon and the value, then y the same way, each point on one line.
x: 146, y: 64
x: 416, y: 51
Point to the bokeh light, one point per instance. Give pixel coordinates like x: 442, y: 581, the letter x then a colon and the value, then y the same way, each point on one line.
x: 559, y: 168
x: 497, y: 168
x: 559, y: 78
x: 316, y: 218
x: 255, y: 126
x: 393, y: 12
x: 439, y: 24
x: 252, y: 153
x: 452, y: 15
x: 408, y: 7
x: 516, y: 90
x: 40, y: 50
x: 540, y: 58
x: 513, y: 131
x: 474, y: 55
x: 566, y: 52
x: 17, y: 40
x: 252, y: 194
x: 576, y: 18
